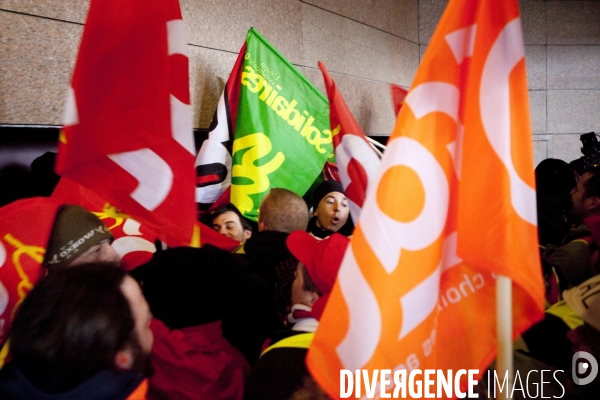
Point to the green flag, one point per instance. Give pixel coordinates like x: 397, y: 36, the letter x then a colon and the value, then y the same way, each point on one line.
x: 282, y: 137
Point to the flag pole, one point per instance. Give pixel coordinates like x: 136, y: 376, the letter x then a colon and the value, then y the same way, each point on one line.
x: 504, y: 362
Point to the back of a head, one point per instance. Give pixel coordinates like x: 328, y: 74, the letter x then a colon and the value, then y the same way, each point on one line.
x: 554, y: 177
x: 284, y: 211
x: 71, y: 326
x: 186, y: 286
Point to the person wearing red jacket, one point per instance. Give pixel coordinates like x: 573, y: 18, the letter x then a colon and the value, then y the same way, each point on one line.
x: 185, y: 288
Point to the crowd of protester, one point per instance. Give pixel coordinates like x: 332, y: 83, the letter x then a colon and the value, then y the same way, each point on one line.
x: 205, y: 323
x: 192, y: 323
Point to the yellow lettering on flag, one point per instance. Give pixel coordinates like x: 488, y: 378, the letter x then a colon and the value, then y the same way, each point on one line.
x: 453, y: 205
x: 257, y: 147
x: 35, y: 252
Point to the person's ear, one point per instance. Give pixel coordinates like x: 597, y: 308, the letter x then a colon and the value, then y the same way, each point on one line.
x: 594, y: 203
x: 262, y: 226
x: 247, y: 233
x: 314, y: 296
x: 124, y: 359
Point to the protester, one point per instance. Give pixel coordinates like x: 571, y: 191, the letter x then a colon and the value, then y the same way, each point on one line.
x: 281, y: 370
x: 280, y: 213
x: 565, y: 315
x: 78, y: 236
x: 331, y: 212
x: 571, y: 261
x: 228, y: 221
x: 81, y: 333
x: 41, y: 231
x: 282, y: 210
x: 569, y: 326
x: 187, y: 290
x: 554, y: 180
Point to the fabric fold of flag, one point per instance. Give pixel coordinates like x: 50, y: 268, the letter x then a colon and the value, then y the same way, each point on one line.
x: 128, y: 124
x: 452, y: 207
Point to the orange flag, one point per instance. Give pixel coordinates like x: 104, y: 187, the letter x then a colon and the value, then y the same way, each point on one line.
x: 453, y: 206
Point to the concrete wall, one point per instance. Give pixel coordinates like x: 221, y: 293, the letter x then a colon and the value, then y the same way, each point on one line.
x: 365, y: 45
x: 562, y: 48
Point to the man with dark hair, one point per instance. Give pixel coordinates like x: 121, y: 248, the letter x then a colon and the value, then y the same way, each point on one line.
x: 81, y: 333
x: 570, y: 261
x: 228, y: 221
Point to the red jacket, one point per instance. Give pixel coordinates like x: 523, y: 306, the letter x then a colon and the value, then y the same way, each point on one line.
x: 195, y: 363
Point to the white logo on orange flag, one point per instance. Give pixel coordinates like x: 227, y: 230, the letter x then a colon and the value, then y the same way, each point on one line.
x: 453, y: 205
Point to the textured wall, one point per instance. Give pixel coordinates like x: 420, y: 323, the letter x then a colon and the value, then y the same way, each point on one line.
x: 364, y: 44
x: 562, y: 48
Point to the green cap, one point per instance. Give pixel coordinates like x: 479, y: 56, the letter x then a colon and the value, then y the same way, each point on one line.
x: 75, y: 230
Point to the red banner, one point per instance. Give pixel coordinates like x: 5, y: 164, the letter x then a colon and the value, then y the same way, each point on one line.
x: 24, y: 233
x: 135, y: 242
x: 357, y: 162
x: 128, y: 123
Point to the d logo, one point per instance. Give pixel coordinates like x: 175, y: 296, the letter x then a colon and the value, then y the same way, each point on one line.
x: 581, y: 368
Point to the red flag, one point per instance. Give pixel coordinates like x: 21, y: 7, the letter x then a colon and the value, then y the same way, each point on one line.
x: 135, y: 242
x: 128, y: 124
x: 356, y: 160
x: 398, y: 96
x: 416, y: 289
x: 24, y: 232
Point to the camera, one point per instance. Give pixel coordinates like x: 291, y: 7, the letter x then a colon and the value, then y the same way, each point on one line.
x: 591, y: 153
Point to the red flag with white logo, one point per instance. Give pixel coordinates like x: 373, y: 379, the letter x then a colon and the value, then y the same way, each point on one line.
x: 134, y: 242
x: 452, y: 207
x: 357, y: 162
x: 128, y: 124
x: 24, y: 232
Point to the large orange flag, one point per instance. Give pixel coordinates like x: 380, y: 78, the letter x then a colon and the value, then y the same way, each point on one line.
x: 453, y: 206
